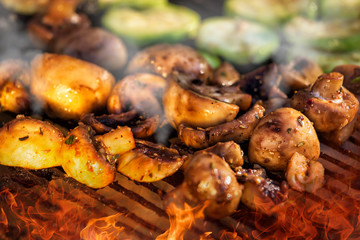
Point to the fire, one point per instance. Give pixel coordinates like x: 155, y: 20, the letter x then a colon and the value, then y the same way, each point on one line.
x: 103, y: 229
x: 181, y: 219
x: 40, y: 214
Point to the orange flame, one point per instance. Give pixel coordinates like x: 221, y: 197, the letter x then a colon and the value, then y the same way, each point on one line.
x: 181, y: 219
x: 103, y: 229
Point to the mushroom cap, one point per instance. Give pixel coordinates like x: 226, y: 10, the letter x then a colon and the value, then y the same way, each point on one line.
x: 279, y: 135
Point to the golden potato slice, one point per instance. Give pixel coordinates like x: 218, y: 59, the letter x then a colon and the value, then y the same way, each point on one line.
x: 194, y: 110
x: 30, y: 143
x: 69, y: 87
x: 82, y: 161
x: 117, y: 141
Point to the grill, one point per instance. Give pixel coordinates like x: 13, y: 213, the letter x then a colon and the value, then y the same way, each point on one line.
x: 134, y: 210
x: 47, y: 204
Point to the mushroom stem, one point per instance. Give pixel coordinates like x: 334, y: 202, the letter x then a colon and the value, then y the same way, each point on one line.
x: 328, y: 86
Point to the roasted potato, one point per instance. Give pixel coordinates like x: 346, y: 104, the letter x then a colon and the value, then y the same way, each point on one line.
x: 68, y: 87
x: 30, y: 143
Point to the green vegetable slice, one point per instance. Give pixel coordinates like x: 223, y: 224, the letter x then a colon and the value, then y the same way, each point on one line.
x: 335, y: 36
x: 269, y: 12
x: 238, y: 41
x: 132, y: 3
x: 159, y: 24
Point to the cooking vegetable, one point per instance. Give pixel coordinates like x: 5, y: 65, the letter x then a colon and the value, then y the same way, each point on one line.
x: 303, y: 174
x: 142, y: 92
x: 279, y: 135
x: 68, y: 87
x: 334, y: 35
x: 85, y: 161
x: 167, y: 59
x: 30, y: 143
x: 149, y: 162
x: 170, y: 23
x: 185, y: 106
x: 238, y: 41
x: 328, y: 104
x: 132, y: 3
x: 272, y: 13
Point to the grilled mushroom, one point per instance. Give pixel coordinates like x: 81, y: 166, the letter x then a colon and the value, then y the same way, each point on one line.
x: 351, y: 74
x: 238, y: 130
x: 142, y: 92
x: 30, y: 143
x: 328, y: 104
x: 185, y: 106
x: 303, y: 174
x: 279, y: 135
x: 149, y: 162
x: 60, y: 20
x: 225, y: 75
x: 166, y: 59
x: 68, y: 87
x: 93, y: 45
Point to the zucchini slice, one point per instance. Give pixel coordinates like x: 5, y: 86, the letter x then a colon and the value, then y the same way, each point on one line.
x: 238, y: 41
x: 132, y: 3
x: 334, y: 36
x: 153, y: 25
x: 269, y: 12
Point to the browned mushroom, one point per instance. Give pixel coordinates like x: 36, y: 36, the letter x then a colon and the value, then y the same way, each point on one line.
x: 60, y: 20
x: 14, y: 78
x: 166, y: 59
x: 149, y: 162
x: 93, y: 45
x: 303, y: 174
x: 279, y: 135
x: 142, y: 92
x: 140, y: 127
x: 351, y: 74
x: 238, y: 130
x: 192, y: 109
x: 225, y: 75
x: 328, y: 104
x: 208, y: 180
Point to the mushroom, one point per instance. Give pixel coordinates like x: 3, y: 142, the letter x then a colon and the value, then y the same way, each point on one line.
x: 140, y: 127
x: 208, y: 180
x: 94, y: 45
x: 303, y: 174
x: 14, y: 78
x: 300, y: 73
x: 149, y: 162
x: 229, y: 151
x: 68, y: 87
x: 166, y: 59
x: 225, y: 75
x: 60, y: 20
x: 238, y: 130
x: 30, y: 143
x: 279, y: 135
x: 192, y: 109
x: 351, y: 74
x: 142, y: 92
x: 328, y: 104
